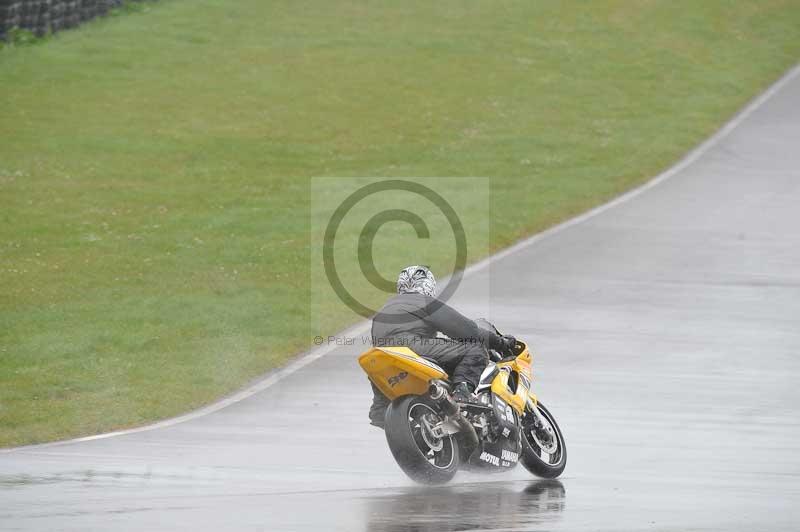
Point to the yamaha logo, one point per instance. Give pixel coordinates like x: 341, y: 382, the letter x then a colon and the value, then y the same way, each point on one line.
x: 510, y: 456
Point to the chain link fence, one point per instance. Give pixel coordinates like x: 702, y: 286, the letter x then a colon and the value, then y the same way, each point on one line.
x: 45, y: 16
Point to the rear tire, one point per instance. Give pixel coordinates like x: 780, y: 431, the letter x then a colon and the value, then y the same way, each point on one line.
x: 546, y: 459
x: 422, y: 457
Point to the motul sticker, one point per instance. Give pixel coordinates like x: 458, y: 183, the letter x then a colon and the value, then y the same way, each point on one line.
x: 492, y: 459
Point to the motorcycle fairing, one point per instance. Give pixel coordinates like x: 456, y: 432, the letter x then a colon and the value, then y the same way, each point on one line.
x: 399, y: 371
x: 502, y: 453
x: 487, y: 377
x: 513, y: 381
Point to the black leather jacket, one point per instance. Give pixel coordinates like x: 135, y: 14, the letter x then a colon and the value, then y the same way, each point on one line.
x: 407, y: 317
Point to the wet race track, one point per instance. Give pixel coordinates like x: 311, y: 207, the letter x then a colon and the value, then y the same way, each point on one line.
x: 667, y: 337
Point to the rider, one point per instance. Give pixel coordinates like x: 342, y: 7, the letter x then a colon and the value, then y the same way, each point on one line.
x: 413, y: 317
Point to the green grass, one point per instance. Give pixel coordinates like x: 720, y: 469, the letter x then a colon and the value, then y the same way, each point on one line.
x: 154, y: 167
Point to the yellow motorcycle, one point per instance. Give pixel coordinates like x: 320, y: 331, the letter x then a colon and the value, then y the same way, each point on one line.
x: 432, y: 437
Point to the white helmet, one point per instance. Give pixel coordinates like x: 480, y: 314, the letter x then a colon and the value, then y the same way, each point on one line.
x: 417, y: 279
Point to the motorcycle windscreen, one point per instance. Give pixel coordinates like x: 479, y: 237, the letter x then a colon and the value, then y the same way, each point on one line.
x: 398, y: 371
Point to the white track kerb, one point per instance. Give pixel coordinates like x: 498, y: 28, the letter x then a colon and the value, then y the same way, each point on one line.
x: 361, y: 328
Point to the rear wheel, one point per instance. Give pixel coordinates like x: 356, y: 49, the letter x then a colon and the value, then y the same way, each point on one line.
x: 544, y: 452
x: 424, y: 457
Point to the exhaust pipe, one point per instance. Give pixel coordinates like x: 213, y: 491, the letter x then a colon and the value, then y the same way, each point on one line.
x: 441, y: 396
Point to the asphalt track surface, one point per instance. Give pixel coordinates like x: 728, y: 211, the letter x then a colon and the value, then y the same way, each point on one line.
x: 667, y: 337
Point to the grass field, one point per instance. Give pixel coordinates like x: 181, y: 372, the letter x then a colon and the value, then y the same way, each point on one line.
x: 155, y: 167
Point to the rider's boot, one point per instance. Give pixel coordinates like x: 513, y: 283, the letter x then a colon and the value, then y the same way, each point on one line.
x: 377, y: 412
x: 462, y: 393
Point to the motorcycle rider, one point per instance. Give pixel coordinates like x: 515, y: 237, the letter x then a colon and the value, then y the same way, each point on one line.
x: 413, y: 317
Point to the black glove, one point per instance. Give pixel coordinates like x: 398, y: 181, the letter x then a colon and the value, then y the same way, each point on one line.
x: 509, y: 345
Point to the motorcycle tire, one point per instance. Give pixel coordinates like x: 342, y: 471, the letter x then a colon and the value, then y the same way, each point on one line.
x: 535, y: 457
x: 422, y: 457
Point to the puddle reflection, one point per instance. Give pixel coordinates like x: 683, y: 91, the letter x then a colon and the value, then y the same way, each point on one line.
x: 479, y: 506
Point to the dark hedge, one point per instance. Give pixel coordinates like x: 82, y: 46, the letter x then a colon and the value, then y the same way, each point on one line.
x: 45, y: 16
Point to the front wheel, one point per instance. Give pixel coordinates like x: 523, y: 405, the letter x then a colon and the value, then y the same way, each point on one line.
x: 419, y: 453
x: 544, y: 452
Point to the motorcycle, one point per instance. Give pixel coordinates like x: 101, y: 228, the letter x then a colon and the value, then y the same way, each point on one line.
x: 431, y: 436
